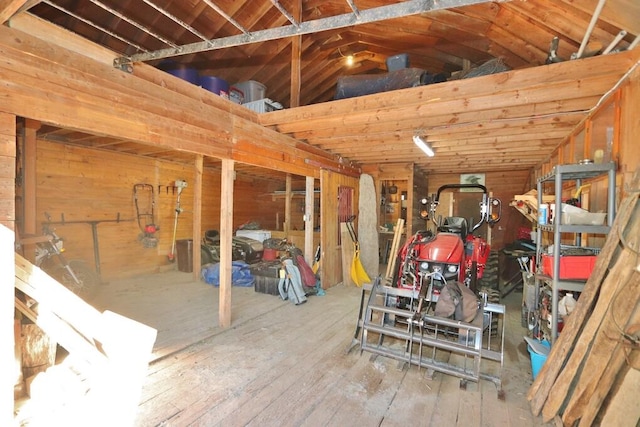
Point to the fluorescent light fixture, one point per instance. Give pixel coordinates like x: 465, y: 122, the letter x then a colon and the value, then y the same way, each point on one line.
x: 422, y: 144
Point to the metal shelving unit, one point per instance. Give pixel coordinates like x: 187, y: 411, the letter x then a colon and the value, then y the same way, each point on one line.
x: 558, y: 176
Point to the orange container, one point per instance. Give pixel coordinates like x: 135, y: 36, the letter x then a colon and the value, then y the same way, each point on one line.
x: 269, y: 255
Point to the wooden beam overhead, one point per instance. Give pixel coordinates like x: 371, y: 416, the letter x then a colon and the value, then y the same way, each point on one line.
x: 406, y: 8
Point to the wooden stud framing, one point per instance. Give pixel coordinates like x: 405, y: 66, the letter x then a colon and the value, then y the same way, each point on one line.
x: 226, y: 235
x: 309, y: 219
x: 197, y: 215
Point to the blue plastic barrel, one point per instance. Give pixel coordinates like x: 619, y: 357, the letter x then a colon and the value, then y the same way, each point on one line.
x: 215, y: 85
x: 181, y: 71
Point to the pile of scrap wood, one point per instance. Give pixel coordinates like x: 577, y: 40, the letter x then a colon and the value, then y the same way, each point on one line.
x: 100, y: 382
x: 591, y: 376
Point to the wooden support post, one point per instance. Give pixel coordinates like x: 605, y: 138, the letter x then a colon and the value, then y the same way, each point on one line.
x: 7, y: 269
x: 29, y: 178
x: 308, y: 220
x: 287, y: 205
x: 296, y: 50
x: 226, y: 236
x: 348, y: 251
x: 7, y: 361
x: 197, y: 216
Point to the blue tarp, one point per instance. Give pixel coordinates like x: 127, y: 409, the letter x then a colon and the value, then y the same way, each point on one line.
x: 240, y: 274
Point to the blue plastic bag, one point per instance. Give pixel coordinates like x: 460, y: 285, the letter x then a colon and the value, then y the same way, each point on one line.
x: 240, y: 274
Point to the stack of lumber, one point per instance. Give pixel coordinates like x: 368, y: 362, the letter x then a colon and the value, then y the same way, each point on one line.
x: 591, y: 374
x: 109, y: 352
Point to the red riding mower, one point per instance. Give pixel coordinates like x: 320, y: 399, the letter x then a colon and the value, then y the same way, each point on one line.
x: 452, y: 253
x: 430, y: 309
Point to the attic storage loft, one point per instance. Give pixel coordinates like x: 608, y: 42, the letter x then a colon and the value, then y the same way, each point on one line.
x: 80, y: 135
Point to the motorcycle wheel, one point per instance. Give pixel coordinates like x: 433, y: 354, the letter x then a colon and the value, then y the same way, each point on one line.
x: 88, y: 278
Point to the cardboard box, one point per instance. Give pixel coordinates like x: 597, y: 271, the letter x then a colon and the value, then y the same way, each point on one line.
x: 578, y: 267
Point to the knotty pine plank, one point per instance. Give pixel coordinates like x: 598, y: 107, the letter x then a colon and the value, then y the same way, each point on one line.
x: 172, y: 120
x: 415, y: 400
x: 368, y: 392
x: 258, y: 343
x: 281, y: 364
x: 567, y: 72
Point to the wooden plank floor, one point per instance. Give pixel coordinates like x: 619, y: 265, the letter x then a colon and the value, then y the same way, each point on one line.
x: 286, y: 365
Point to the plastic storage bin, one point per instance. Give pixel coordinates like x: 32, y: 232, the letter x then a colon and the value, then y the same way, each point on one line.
x: 263, y: 105
x: 260, y: 235
x: 184, y: 249
x: 572, y: 215
x: 397, y: 62
x: 577, y: 267
x: 267, y: 277
x: 252, y: 90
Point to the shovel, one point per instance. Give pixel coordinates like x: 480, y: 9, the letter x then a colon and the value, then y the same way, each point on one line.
x: 358, y: 273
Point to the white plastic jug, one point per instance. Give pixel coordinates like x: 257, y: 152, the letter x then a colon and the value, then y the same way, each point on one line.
x: 567, y: 304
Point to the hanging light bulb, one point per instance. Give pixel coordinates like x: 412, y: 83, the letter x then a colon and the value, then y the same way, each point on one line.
x: 349, y: 60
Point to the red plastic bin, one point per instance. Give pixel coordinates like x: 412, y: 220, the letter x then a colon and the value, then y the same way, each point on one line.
x: 571, y: 267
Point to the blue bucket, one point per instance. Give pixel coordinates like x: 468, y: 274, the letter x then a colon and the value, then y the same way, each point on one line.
x: 215, y: 85
x: 537, y: 360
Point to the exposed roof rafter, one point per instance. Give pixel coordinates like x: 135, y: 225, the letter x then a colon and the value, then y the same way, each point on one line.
x: 398, y: 10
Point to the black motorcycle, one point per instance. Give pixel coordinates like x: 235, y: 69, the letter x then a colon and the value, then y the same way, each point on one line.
x: 74, y: 274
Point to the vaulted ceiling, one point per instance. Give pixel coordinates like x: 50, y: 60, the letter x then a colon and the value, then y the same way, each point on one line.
x: 499, y: 122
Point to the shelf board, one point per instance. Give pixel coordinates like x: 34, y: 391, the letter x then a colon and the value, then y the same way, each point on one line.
x: 565, y: 285
x: 572, y: 172
x: 570, y: 228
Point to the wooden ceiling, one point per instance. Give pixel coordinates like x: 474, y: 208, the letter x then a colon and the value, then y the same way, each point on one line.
x: 505, y: 121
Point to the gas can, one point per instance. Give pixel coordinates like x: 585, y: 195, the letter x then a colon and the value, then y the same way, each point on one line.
x: 543, y: 213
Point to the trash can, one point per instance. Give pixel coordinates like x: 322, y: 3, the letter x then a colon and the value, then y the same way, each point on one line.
x: 184, y: 249
x: 538, y: 354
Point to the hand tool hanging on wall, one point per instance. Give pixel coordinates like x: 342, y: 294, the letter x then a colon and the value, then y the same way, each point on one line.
x: 180, y: 185
x: 144, y: 198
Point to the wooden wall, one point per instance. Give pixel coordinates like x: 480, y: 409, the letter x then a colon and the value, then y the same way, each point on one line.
x: 331, y: 257
x: 616, y: 115
x: 7, y: 265
x: 630, y: 128
x: 7, y: 169
x: 402, y: 175
x: 83, y: 185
